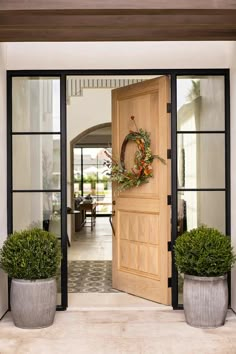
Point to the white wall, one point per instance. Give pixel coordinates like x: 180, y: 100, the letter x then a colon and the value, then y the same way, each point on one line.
x: 117, y: 55
x: 3, y: 169
x: 92, y: 108
x: 88, y: 110
x: 233, y: 164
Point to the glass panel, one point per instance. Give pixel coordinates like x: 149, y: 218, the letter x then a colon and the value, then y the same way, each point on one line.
x: 196, y: 209
x: 201, y: 160
x: 102, y: 156
x: 95, y: 180
x: 77, y: 156
x: 90, y: 156
x: 201, y: 208
x: 36, y: 162
x: 35, y: 104
x: 200, y: 103
x: 37, y: 210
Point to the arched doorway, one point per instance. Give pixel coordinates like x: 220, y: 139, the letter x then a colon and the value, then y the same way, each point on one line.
x: 94, y: 140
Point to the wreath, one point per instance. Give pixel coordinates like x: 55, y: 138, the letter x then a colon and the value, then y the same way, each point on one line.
x: 143, y: 158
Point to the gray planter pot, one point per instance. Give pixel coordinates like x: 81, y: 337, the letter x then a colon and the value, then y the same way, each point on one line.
x: 205, y: 300
x: 33, y: 302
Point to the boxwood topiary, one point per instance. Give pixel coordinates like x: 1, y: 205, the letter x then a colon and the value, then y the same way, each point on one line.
x: 204, y: 252
x: 31, y: 254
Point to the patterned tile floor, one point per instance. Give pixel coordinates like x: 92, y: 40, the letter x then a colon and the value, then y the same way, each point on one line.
x: 90, y: 276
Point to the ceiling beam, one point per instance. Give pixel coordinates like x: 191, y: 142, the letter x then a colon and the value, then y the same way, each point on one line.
x: 116, y: 34
x: 100, y: 20
x: 47, y: 20
x: 116, y: 4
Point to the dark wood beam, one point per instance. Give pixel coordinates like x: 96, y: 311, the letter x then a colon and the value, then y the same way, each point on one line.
x: 100, y: 20
x: 117, y: 34
x: 117, y: 4
x: 35, y: 19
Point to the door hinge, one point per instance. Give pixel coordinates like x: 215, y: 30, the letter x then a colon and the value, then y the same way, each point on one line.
x: 169, y: 245
x: 168, y: 107
x: 169, y: 282
x: 168, y: 154
x: 169, y: 200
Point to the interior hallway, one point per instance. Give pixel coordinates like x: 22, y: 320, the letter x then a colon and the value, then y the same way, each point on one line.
x: 92, y: 245
x: 119, y: 332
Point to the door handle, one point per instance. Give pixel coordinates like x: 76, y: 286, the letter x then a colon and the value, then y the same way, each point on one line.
x: 110, y: 220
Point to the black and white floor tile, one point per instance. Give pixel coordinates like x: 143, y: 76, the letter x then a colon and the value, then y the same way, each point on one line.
x: 90, y: 276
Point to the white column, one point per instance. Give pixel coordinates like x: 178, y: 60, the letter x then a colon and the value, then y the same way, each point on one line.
x: 3, y: 175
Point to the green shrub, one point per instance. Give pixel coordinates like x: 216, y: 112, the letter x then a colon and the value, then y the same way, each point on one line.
x: 204, y: 252
x: 31, y: 254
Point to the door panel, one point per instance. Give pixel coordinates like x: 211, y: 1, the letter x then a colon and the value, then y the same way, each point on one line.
x: 141, y: 263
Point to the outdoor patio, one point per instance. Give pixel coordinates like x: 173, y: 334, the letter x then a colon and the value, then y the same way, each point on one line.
x: 119, y: 332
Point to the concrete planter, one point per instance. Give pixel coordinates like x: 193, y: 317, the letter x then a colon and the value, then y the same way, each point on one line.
x: 33, y: 302
x: 205, y: 300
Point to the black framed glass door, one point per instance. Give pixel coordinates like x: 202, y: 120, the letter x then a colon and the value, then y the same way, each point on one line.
x: 201, y: 145
x: 36, y: 160
x: 200, y: 153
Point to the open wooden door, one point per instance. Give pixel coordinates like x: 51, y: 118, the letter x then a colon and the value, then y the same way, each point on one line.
x: 141, y: 216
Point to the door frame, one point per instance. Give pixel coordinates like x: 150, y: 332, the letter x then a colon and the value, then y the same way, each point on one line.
x: 173, y: 73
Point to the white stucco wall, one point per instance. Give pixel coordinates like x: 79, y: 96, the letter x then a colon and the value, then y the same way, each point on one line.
x: 3, y: 175
x: 118, y: 55
x: 92, y: 108
x: 233, y: 164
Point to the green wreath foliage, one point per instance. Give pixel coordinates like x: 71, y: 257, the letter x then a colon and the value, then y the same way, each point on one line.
x: 142, y: 170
